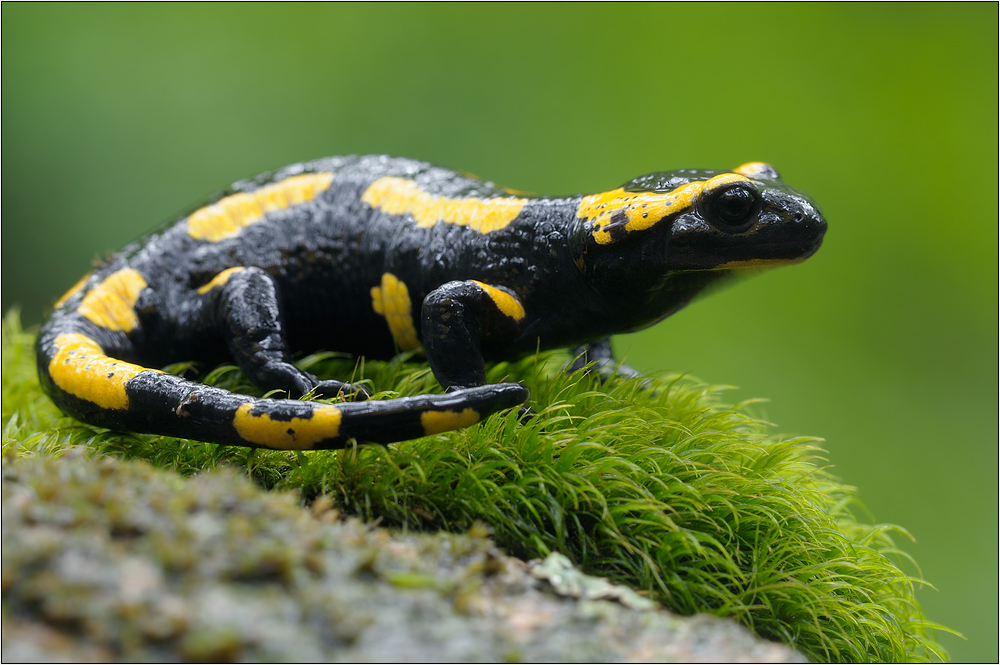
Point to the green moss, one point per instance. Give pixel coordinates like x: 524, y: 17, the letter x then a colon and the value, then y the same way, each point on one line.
x: 669, y: 491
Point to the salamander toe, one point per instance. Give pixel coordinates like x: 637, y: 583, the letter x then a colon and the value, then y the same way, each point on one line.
x: 330, y: 389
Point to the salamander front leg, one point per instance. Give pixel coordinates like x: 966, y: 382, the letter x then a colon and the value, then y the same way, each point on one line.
x: 252, y: 325
x: 457, y: 318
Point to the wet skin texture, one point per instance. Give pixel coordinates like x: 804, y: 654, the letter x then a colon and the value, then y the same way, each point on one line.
x: 373, y: 255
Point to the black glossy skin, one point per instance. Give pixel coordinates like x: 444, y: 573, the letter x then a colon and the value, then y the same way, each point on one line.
x: 311, y: 269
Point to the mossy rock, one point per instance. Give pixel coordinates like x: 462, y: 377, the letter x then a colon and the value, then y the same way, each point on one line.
x: 658, y: 486
x: 106, y: 560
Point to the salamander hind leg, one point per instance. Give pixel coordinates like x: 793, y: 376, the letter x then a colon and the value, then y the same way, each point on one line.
x: 247, y: 304
x: 597, y: 357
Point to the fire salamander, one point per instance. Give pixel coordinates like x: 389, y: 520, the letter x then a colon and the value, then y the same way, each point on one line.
x: 375, y: 255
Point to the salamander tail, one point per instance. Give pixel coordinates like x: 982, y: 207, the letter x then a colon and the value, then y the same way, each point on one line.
x: 90, y: 385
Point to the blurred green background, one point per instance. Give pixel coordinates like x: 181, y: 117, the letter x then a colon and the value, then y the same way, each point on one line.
x: 116, y: 118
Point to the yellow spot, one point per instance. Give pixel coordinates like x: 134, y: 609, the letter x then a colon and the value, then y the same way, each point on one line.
x: 392, y: 300
x: 219, y: 280
x: 754, y: 169
x: 444, y: 421
x: 507, y: 303
x: 227, y: 217
x: 111, y: 304
x: 81, y: 368
x: 294, y: 434
x: 399, y: 196
x: 641, y: 210
x: 73, y: 290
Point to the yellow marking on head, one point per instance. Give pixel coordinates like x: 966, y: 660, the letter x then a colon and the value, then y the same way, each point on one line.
x: 111, y: 304
x: 392, y: 300
x: 72, y: 291
x: 638, y: 211
x: 445, y: 421
x: 219, y: 280
x: 228, y: 216
x: 81, y: 368
x: 755, y: 170
x: 722, y: 179
x: 294, y: 434
x: 399, y: 196
x: 507, y: 303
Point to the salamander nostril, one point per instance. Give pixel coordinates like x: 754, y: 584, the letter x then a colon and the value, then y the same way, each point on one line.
x: 799, y: 217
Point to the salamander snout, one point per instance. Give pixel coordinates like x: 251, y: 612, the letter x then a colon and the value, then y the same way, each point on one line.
x: 806, y: 226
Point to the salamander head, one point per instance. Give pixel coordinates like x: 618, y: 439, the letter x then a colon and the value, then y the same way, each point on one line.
x: 686, y: 220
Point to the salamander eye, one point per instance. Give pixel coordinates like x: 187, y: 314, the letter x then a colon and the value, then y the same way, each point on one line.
x: 732, y: 209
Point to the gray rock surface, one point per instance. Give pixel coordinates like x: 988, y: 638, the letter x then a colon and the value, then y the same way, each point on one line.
x: 105, y: 560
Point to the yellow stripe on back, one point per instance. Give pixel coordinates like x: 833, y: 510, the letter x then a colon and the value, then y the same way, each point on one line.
x: 111, y: 304
x: 642, y: 210
x: 81, y: 368
x: 507, y: 303
x: 392, y: 300
x: 230, y: 215
x: 399, y: 196
x: 292, y: 434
